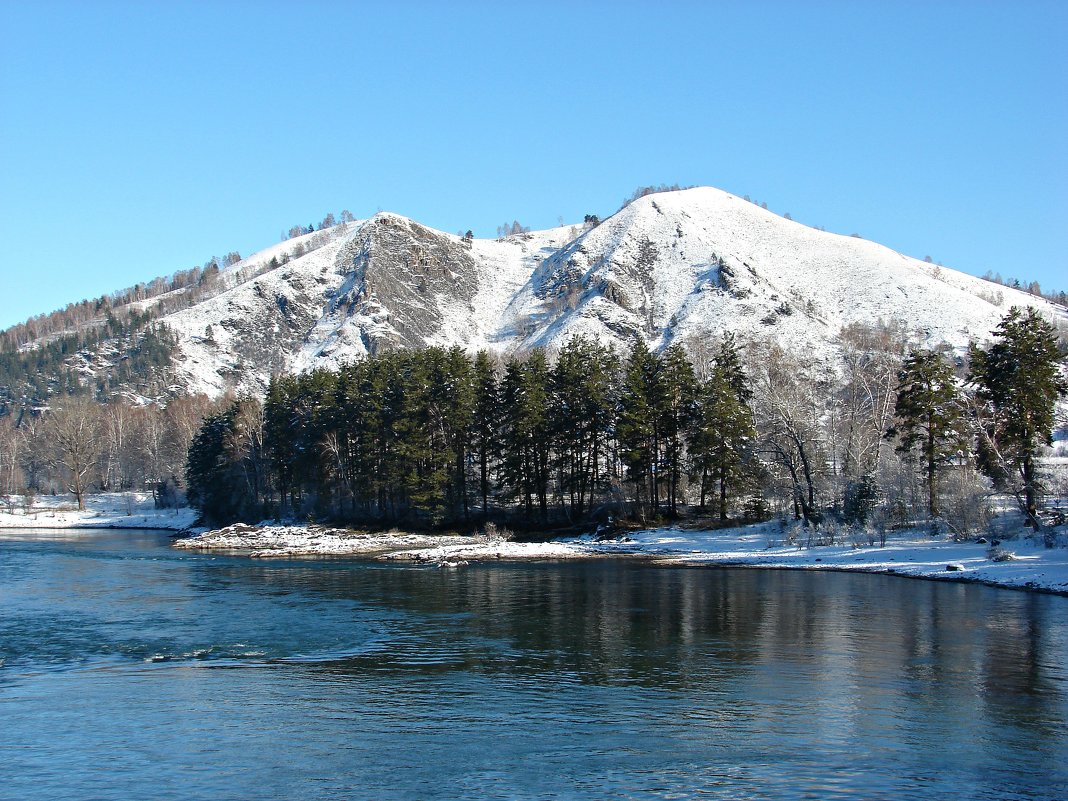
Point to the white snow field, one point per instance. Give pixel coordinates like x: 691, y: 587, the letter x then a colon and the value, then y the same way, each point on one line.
x: 103, y: 510
x: 671, y: 266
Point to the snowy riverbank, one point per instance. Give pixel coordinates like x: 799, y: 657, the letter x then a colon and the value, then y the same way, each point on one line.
x: 1018, y: 563
x: 102, y: 510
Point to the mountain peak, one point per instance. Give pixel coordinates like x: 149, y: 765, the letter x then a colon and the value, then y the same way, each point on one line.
x: 672, y: 266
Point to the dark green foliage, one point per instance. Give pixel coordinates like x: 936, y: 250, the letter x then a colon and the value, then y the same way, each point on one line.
x: 656, y: 410
x: 29, y: 377
x: 930, y: 417
x: 674, y: 407
x: 527, y: 431
x: 584, y: 398
x: 426, y: 437
x: 485, y: 429
x: 225, y: 467
x: 636, y: 425
x: 722, y: 431
x: 1018, y: 380
x: 861, y: 499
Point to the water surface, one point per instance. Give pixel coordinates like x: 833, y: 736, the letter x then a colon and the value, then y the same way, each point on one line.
x: 130, y: 670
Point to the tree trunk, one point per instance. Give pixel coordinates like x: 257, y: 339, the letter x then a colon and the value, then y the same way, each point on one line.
x: 1030, y: 491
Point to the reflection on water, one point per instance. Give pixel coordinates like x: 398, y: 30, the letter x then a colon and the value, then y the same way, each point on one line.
x: 131, y: 670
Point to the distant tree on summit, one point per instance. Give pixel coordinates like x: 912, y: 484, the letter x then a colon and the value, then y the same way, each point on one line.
x: 511, y: 229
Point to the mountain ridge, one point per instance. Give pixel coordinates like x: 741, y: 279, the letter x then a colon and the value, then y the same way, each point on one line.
x: 673, y: 266
x: 669, y: 266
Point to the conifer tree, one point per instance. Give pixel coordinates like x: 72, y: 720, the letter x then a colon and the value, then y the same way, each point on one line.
x: 526, y: 431
x: 636, y: 426
x: 536, y: 395
x: 722, y: 429
x: 485, y: 434
x: 930, y: 416
x: 674, y: 402
x: 583, y: 410
x: 225, y: 464
x: 453, y: 401
x: 1018, y: 379
x: 278, y: 422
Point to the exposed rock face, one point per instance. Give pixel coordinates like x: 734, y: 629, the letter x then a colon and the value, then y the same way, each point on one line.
x: 677, y: 266
x: 414, y: 272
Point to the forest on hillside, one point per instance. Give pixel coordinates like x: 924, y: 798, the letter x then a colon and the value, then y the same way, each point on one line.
x: 114, y: 344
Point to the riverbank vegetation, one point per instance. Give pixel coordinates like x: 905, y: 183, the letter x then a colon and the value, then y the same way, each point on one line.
x: 79, y: 446
x: 891, y: 436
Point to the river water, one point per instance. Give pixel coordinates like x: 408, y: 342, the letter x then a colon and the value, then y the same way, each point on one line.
x: 131, y: 671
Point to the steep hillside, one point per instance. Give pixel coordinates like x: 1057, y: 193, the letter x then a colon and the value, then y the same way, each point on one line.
x: 669, y: 267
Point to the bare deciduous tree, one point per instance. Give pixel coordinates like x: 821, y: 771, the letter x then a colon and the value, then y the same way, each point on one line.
x: 74, y: 433
x: 790, y: 402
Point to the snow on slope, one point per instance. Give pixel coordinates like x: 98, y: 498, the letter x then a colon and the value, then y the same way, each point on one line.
x: 701, y: 261
x: 673, y: 266
x: 238, y: 338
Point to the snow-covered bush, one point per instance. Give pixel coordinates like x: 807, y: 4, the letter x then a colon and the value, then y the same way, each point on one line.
x: 1000, y: 555
x: 495, y: 532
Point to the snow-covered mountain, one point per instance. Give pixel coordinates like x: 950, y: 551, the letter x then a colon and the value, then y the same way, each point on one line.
x: 672, y: 266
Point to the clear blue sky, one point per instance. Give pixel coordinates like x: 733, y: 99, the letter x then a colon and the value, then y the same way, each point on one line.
x: 141, y: 138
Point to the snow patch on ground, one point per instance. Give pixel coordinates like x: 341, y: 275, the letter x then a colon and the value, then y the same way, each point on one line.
x: 912, y: 553
x: 264, y: 541
x: 103, y: 510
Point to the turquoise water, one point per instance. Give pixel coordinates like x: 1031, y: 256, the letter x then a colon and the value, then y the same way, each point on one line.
x: 130, y: 670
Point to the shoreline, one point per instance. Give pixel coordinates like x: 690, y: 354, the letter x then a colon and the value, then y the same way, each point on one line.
x: 1019, y: 564
x: 946, y: 579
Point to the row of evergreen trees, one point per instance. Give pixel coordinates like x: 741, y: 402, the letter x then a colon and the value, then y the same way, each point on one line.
x: 435, y: 435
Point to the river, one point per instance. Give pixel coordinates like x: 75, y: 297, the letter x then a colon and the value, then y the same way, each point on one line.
x: 131, y: 670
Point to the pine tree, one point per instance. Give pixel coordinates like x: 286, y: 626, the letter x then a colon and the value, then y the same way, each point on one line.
x: 722, y: 431
x: 278, y: 408
x: 485, y: 435
x: 930, y: 416
x: 636, y: 426
x: 583, y: 411
x: 526, y: 431
x: 1018, y: 379
x: 453, y: 399
x: 225, y: 464
x: 674, y: 402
